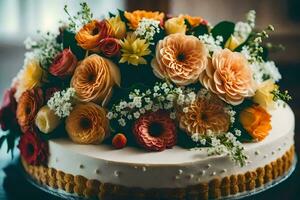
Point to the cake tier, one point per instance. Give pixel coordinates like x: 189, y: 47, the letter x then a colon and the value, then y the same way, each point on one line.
x: 86, y: 168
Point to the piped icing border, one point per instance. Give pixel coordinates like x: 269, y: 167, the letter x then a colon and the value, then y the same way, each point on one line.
x: 216, y: 188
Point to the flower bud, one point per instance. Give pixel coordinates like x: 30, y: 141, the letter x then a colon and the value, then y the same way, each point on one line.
x: 46, y: 120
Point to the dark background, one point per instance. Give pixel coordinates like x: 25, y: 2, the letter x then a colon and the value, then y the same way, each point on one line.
x: 20, y: 18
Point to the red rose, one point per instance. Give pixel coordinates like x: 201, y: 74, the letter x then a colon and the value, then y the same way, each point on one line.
x: 63, y: 64
x: 33, y: 149
x: 110, y: 47
x: 8, y: 109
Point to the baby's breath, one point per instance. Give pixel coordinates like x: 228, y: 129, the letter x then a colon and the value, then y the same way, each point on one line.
x: 212, y: 44
x: 61, y: 102
x: 163, y: 96
x: 147, y: 29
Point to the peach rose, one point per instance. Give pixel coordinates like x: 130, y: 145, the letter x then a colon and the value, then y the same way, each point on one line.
x: 135, y: 17
x: 87, y: 124
x: 94, y: 78
x: 229, y: 76
x: 29, y: 104
x: 91, y: 34
x: 256, y: 121
x: 180, y: 58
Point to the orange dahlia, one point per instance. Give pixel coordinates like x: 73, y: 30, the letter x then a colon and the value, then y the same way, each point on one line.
x: 94, y: 78
x: 256, y: 121
x: 91, y: 34
x: 204, y: 115
x: 229, y: 76
x: 136, y: 16
x: 193, y: 20
x: 180, y: 58
x: 87, y: 124
x: 29, y: 104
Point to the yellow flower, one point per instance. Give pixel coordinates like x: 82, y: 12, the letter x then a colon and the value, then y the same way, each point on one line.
x: 263, y: 95
x: 133, y: 49
x: 30, y: 77
x: 135, y: 17
x: 175, y: 25
x: 232, y: 43
x: 118, y: 26
x: 46, y: 120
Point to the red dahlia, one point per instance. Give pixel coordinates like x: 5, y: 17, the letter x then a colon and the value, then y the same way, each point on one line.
x: 33, y: 149
x: 155, y: 131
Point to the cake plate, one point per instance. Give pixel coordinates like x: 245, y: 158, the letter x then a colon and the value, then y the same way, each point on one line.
x: 64, y: 195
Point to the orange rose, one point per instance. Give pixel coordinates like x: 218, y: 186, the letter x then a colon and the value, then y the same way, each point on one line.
x: 94, y: 78
x: 87, y: 124
x: 135, y: 17
x: 193, y: 20
x: 256, y: 121
x: 179, y: 58
x: 29, y: 104
x: 91, y: 34
x: 229, y: 76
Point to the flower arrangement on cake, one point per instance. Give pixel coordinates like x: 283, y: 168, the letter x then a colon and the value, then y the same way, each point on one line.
x: 144, y: 79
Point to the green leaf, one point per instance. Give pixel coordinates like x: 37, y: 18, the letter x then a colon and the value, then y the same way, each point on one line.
x: 2, y: 139
x: 200, y: 30
x: 111, y: 14
x: 123, y: 18
x: 69, y: 41
x: 224, y: 29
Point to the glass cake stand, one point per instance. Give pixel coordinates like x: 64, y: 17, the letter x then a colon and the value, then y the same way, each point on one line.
x: 62, y: 194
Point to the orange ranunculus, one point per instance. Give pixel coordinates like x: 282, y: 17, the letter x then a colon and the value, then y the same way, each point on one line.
x: 229, y: 76
x: 193, y: 20
x: 179, y: 58
x: 94, y: 78
x: 87, y: 124
x: 91, y: 34
x: 136, y: 16
x: 29, y: 104
x: 256, y: 121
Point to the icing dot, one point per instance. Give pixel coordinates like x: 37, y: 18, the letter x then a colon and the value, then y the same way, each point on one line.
x: 273, y: 152
x: 191, y: 176
x: 213, y: 173
x: 265, y: 156
x: 224, y: 170
x: 177, y: 177
x: 208, y: 166
x: 81, y: 166
x: 256, y: 152
x: 279, y: 149
x: 117, y: 173
x: 180, y: 171
x: 199, y: 179
x: 135, y: 167
x: 249, y: 161
x: 144, y: 169
x: 202, y: 172
x: 56, y: 159
x: 97, y: 171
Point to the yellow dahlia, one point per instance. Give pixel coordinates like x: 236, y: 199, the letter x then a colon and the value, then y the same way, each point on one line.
x: 135, y: 17
x: 263, y: 95
x: 203, y: 116
x: 133, y: 49
x: 118, y: 26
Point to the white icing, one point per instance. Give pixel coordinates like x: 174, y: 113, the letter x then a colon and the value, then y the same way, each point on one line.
x: 165, y: 169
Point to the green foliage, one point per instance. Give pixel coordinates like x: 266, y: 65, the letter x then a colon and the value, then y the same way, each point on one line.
x: 224, y: 29
x: 69, y: 41
x: 10, y: 138
x: 196, y: 31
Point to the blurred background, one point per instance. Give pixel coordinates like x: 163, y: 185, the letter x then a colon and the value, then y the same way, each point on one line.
x: 22, y: 18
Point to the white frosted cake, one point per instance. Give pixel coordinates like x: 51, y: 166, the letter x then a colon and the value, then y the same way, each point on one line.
x: 177, y: 172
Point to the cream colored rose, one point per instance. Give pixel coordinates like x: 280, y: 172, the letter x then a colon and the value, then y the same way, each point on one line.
x: 263, y: 95
x: 46, y: 120
x: 229, y: 76
x: 179, y: 58
x: 175, y: 25
x: 118, y: 26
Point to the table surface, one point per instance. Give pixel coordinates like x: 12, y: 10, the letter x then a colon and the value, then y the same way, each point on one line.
x: 13, y: 186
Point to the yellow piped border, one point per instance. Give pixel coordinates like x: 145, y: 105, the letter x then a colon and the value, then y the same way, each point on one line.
x: 216, y: 188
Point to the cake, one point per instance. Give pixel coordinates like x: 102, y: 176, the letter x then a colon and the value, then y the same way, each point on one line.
x: 141, y: 105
